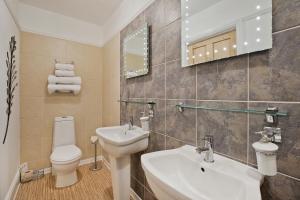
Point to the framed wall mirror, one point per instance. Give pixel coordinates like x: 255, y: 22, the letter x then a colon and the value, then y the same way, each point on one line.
x: 216, y: 29
x: 136, y: 53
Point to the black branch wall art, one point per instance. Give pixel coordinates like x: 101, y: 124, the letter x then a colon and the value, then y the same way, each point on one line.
x: 11, y: 80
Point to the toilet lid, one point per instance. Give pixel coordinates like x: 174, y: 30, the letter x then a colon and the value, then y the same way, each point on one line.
x: 65, y: 153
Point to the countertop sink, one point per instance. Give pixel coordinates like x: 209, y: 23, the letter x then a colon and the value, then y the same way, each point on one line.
x: 181, y: 174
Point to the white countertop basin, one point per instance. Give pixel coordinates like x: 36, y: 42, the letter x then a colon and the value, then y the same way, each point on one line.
x: 182, y: 174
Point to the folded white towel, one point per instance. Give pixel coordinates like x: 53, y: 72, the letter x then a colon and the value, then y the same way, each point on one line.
x: 76, y: 80
x: 64, y: 73
x: 63, y: 66
x: 63, y: 88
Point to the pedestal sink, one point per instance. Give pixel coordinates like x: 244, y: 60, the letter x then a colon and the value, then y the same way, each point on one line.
x: 181, y: 174
x: 120, y: 142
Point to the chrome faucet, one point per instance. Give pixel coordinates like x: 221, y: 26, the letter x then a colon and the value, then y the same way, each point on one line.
x: 130, y: 123
x: 207, y: 149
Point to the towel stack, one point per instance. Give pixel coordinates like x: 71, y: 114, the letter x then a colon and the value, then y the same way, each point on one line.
x: 64, y: 79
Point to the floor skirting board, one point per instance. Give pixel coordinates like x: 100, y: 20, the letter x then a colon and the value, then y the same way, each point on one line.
x: 13, y: 188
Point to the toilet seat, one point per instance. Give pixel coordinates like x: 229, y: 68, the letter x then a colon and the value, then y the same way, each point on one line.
x: 65, y: 154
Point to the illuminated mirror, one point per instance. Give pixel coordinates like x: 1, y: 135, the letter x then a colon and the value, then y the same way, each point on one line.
x: 216, y: 29
x: 135, y: 52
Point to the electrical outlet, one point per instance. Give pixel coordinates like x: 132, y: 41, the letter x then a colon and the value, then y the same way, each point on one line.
x: 24, y: 167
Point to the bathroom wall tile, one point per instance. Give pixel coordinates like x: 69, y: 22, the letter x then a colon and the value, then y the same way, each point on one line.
x: 155, y: 16
x: 43, y: 45
x: 229, y: 82
x: 181, y: 125
x: 286, y: 14
x: 274, y: 74
x: 135, y: 111
x: 136, y: 167
x: 31, y: 127
x: 40, y: 64
x: 157, y: 48
x: 32, y: 107
x: 173, y: 41
x: 172, y: 10
x: 32, y: 86
x: 155, y: 82
x: 172, y: 143
x: 38, y: 54
x: 32, y: 149
x: 207, y: 80
x: 288, y: 158
x: 149, y: 195
x: 137, y: 187
x: 280, y: 187
x: 135, y: 87
x: 156, y: 142
x: 157, y: 123
x: 180, y: 82
x: 227, y: 128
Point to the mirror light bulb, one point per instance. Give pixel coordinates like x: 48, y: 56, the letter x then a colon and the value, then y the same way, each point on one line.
x: 257, y: 7
x: 258, y: 40
x: 245, y: 43
x: 258, y: 18
x: 258, y: 29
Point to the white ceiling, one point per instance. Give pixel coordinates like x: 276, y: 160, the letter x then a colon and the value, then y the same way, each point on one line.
x: 92, y: 11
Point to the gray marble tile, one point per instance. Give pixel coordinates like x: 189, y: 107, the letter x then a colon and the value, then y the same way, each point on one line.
x: 172, y: 143
x: 157, y: 48
x: 288, y: 156
x: 223, y: 80
x: 134, y: 87
x: 286, y: 14
x: 173, y: 40
x: 207, y: 81
x: 280, y: 187
x: 228, y: 129
x: 172, y: 10
x: 155, y: 82
x: 155, y: 15
x: 136, y: 169
x: 181, y: 125
x: 157, y: 123
x: 275, y: 74
x: 180, y: 82
x: 137, y: 187
x: 156, y: 142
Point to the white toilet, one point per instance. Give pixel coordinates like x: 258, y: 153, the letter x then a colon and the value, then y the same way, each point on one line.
x: 65, y: 155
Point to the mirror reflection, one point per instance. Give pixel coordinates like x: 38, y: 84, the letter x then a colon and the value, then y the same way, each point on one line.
x: 136, y: 53
x: 217, y: 29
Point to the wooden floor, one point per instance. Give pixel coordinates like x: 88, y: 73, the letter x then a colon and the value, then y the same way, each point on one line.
x: 91, y: 186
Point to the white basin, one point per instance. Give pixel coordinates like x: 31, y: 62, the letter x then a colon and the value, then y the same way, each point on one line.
x: 120, y: 142
x: 181, y: 174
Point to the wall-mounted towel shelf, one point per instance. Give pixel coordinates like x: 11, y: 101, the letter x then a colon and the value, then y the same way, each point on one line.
x: 182, y: 106
x: 72, y: 62
x: 137, y: 102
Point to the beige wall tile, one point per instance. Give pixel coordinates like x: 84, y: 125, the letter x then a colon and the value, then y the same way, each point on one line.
x: 38, y: 108
x: 111, y: 78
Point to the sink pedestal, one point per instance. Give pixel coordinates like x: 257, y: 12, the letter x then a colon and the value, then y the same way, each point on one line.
x: 120, y: 172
